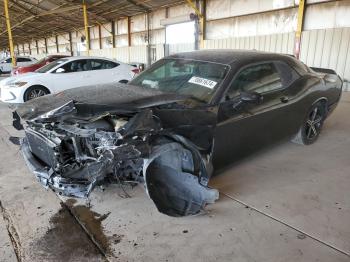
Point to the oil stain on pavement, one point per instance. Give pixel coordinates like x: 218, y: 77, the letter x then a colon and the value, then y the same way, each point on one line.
x: 66, y: 240
x: 92, y: 223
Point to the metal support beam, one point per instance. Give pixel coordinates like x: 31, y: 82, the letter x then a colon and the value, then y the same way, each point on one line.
x: 300, y: 23
x: 204, y: 21
x: 99, y: 37
x: 142, y: 6
x: 37, y: 47
x: 129, y: 31
x: 86, y: 27
x: 24, y: 52
x: 57, y: 47
x: 201, y: 21
x: 17, y: 49
x: 113, y: 33
x: 167, y: 12
x: 9, y: 32
x: 71, y: 44
x: 149, y: 58
x: 30, y: 49
x: 46, y: 49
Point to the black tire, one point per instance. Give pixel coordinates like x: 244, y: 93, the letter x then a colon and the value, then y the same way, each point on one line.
x: 312, y: 125
x: 34, y: 92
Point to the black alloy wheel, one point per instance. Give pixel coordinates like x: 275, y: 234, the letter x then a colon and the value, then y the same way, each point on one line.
x: 312, y: 125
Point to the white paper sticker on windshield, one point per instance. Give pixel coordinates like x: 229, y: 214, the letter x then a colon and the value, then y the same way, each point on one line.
x: 150, y: 83
x: 202, y: 81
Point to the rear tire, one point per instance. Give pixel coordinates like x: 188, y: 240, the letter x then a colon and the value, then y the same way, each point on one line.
x: 312, y: 125
x: 34, y: 92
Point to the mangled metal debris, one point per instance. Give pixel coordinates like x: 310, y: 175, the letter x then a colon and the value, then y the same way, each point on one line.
x: 71, y: 150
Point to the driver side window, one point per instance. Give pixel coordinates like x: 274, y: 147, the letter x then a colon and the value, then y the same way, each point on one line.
x: 76, y: 66
x: 260, y: 78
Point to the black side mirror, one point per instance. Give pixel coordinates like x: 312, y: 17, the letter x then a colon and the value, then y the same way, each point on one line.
x: 251, y: 97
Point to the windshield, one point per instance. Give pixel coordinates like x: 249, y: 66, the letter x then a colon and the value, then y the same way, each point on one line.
x: 48, y: 67
x: 197, y: 79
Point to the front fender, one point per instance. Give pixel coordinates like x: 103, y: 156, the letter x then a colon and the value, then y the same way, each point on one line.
x: 172, y: 181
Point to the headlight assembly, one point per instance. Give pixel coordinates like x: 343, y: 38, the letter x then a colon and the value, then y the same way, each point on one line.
x: 17, y: 84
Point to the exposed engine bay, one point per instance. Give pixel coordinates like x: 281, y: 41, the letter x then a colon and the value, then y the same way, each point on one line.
x: 71, y: 155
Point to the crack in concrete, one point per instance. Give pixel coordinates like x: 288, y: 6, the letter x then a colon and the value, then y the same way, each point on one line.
x: 286, y: 224
x: 86, y: 231
x: 12, y: 232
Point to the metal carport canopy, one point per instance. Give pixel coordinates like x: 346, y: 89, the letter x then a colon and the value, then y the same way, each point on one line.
x: 37, y: 19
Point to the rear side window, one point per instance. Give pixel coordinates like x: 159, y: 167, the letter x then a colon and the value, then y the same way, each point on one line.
x: 99, y: 64
x: 51, y: 59
x: 288, y: 74
x: 23, y: 59
x: 260, y: 78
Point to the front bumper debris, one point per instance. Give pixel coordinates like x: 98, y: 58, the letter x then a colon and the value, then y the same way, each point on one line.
x: 71, y: 159
x: 46, y: 176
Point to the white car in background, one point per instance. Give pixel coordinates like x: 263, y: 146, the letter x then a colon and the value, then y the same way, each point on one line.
x: 6, y: 63
x: 64, y: 74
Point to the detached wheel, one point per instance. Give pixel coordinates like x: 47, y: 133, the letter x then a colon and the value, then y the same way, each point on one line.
x: 34, y: 92
x: 312, y: 125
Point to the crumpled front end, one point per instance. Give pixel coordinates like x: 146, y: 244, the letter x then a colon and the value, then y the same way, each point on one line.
x: 73, y: 156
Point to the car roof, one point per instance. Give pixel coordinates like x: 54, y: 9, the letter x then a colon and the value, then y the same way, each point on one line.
x: 72, y: 58
x: 230, y: 56
x: 63, y: 56
x: 21, y: 56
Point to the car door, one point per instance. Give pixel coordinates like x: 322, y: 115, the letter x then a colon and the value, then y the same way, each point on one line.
x: 70, y: 75
x: 23, y: 61
x: 6, y: 65
x: 243, y: 127
x: 103, y: 71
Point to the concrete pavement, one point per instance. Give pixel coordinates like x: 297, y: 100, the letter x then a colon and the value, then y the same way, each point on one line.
x: 288, y: 203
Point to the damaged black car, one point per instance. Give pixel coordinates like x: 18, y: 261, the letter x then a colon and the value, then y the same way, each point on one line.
x: 175, y: 124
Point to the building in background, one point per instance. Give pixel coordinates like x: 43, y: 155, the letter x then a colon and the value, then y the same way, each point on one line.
x: 267, y: 25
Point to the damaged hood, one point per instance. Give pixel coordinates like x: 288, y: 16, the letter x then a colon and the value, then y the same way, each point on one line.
x: 100, y: 99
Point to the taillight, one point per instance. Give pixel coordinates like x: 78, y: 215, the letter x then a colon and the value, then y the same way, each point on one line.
x: 136, y: 71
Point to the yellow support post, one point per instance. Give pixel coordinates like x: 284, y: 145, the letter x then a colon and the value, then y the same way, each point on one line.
x: 194, y: 7
x: 301, y: 11
x: 86, y: 25
x: 201, y: 21
x: 8, y: 24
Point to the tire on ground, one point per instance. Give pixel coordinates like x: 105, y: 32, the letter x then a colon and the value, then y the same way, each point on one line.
x: 27, y: 94
x: 301, y: 137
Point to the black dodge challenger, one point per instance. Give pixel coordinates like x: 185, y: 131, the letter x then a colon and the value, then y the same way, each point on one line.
x: 175, y: 124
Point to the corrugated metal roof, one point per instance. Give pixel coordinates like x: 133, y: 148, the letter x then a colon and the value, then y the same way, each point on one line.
x: 35, y: 19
